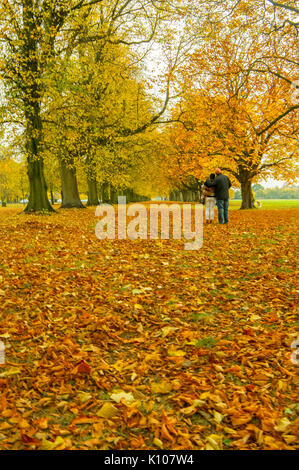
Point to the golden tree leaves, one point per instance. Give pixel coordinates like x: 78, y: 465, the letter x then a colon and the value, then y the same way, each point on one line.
x: 236, y: 100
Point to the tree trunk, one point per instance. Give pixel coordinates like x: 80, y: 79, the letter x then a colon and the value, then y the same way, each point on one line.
x: 52, y: 197
x: 113, y: 195
x: 38, y: 198
x: 247, y: 195
x: 130, y: 195
x: 70, y: 193
x: 30, y: 72
x: 93, y: 197
x: 105, y: 192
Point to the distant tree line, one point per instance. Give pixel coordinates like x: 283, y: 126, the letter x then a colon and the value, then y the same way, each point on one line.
x: 272, y: 193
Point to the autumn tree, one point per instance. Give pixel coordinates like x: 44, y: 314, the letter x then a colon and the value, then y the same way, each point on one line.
x: 95, y: 119
x: 246, y: 120
x: 273, y: 24
x: 12, y: 182
x: 30, y: 32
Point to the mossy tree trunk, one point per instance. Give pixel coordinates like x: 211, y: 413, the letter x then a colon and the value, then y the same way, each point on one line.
x: 247, y: 194
x: 105, y: 192
x: 93, y: 195
x: 70, y: 192
x: 38, y: 198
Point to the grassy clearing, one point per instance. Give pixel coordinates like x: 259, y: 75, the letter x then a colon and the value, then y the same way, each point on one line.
x: 270, y: 204
x: 234, y: 204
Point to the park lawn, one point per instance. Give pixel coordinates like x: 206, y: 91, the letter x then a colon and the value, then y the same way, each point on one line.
x: 269, y: 203
x: 122, y: 344
x: 233, y: 204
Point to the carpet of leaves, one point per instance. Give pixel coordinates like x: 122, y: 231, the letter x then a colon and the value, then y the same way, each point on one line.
x: 122, y: 344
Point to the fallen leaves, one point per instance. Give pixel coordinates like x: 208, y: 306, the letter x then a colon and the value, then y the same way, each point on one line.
x: 282, y: 425
x: 107, y: 411
x: 11, y: 371
x: 214, y: 442
x: 162, y: 387
x: 83, y: 420
x: 144, y: 355
x: 121, y: 395
x: 82, y: 368
x: 49, y: 445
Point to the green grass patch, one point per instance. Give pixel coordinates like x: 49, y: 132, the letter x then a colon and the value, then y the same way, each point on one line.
x: 269, y: 204
x: 207, y: 342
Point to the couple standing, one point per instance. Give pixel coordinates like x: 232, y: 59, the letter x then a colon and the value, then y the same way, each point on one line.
x: 216, y: 191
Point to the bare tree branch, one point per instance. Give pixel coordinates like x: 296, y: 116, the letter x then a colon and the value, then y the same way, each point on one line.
x: 268, y: 165
x: 278, y: 118
x: 284, y: 6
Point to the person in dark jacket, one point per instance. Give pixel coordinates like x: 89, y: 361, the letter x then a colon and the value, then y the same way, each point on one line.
x: 221, y: 184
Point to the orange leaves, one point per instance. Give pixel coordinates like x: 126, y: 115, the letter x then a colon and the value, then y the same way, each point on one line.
x: 3, y: 402
x: 222, y: 126
x: 163, y: 387
x: 165, y: 433
x: 167, y: 430
x: 28, y: 440
x: 240, y: 420
x: 260, y: 379
x: 137, y: 443
x: 84, y: 420
x: 94, y: 372
x: 43, y: 423
x: 82, y: 368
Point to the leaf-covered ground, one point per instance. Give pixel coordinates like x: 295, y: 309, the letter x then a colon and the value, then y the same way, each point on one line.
x: 143, y: 345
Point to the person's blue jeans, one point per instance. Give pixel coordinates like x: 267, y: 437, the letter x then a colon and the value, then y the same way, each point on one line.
x: 222, y: 211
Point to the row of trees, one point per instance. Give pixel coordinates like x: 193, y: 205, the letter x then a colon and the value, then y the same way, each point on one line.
x: 81, y: 98
x: 272, y: 193
x: 13, y: 181
x: 72, y: 87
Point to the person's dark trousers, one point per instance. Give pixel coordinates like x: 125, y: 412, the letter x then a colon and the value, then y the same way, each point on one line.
x: 222, y: 211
